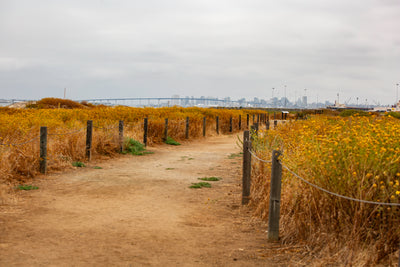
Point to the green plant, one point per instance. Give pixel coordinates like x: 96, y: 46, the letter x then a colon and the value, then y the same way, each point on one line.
x: 168, y: 169
x: 234, y: 155
x: 171, y: 141
x: 97, y: 167
x: 353, y: 112
x: 27, y: 187
x: 209, y: 178
x: 78, y: 164
x: 133, y: 147
x: 394, y: 114
x: 200, y: 185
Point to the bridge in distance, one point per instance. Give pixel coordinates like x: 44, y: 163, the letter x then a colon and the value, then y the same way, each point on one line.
x: 173, y: 101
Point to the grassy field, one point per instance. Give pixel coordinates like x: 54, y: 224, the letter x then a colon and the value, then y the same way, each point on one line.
x: 355, y: 155
x: 66, y: 122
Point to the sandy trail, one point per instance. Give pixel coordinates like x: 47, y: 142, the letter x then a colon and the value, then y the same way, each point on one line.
x: 138, y: 211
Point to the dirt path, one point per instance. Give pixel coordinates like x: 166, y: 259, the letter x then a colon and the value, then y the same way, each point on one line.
x: 138, y: 211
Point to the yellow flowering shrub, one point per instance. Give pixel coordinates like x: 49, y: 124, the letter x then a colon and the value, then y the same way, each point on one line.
x: 354, y: 156
x: 67, y: 131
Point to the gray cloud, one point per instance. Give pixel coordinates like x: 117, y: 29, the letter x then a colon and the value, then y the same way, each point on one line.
x: 220, y: 48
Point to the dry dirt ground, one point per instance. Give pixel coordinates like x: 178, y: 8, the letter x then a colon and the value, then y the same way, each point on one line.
x: 139, y: 211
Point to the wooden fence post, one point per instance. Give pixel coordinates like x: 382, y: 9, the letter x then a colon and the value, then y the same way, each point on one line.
x: 166, y: 130
x: 248, y: 121
x: 267, y: 125
x: 217, y: 124
x: 240, y: 122
x: 275, y: 123
x: 254, y: 118
x: 275, y: 197
x: 145, y: 129
x: 121, y: 136
x: 230, y: 124
x: 204, y: 126
x: 254, y: 128
x: 258, y: 118
x: 246, y: 178
x: 187, y: 128
x: 43, y: 149
x: 89, y: 137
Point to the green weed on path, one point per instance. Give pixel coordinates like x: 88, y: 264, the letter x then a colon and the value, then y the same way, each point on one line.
x: 27, y: 187
x: 78, y: 164
x: 200, y: 185
x: 172, y: 142
x: 213, y: 179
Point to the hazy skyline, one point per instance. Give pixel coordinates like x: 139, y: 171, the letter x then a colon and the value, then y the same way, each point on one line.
x: 101, y: 49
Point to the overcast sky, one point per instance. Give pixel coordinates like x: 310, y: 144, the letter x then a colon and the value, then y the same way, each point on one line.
x: 236, y: 48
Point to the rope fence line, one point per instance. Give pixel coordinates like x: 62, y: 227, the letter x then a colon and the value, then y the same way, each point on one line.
x: 105, y: 128
x: 338, y: 195
x: 259, y: 159
x: 20, y: 144
x: 44, y: 135
x: 69, y: 133
x: 276, y: 185
x: 325, y: 190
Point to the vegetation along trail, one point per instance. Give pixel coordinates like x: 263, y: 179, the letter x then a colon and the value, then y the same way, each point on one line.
x: 138, y: 211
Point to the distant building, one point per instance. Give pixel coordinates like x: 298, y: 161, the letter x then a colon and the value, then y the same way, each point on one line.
x: 304, y: 101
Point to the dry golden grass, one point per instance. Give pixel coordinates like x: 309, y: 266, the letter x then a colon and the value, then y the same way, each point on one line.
x: 354, y: 156
x: 66, y: 122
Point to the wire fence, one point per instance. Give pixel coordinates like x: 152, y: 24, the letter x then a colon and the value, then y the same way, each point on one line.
x: 149, y: 130
x: 68, y: 133
x: 36, y: 138
x: 323, y: 189
x: 106, y: 128
x: 20, y: 144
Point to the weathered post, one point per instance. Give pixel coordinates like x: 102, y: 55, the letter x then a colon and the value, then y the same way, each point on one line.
x: 248, y: 121
x: 275, y: 197
x: 217, y: 124
x: 240, y: 122
x: 254, y: 129
x: 121, y: 136
x: 258, y: 118
x: 204, y: 126
x: 89, y: 137
x: 254, y: 116
x: 267, y: 125
x: 246, y: 178
x: 275, y: 123
x: 187, y: 128
x: 230, y: 124
x: 166, y: 130
x: 145, y: 129
x: 43, y: 149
